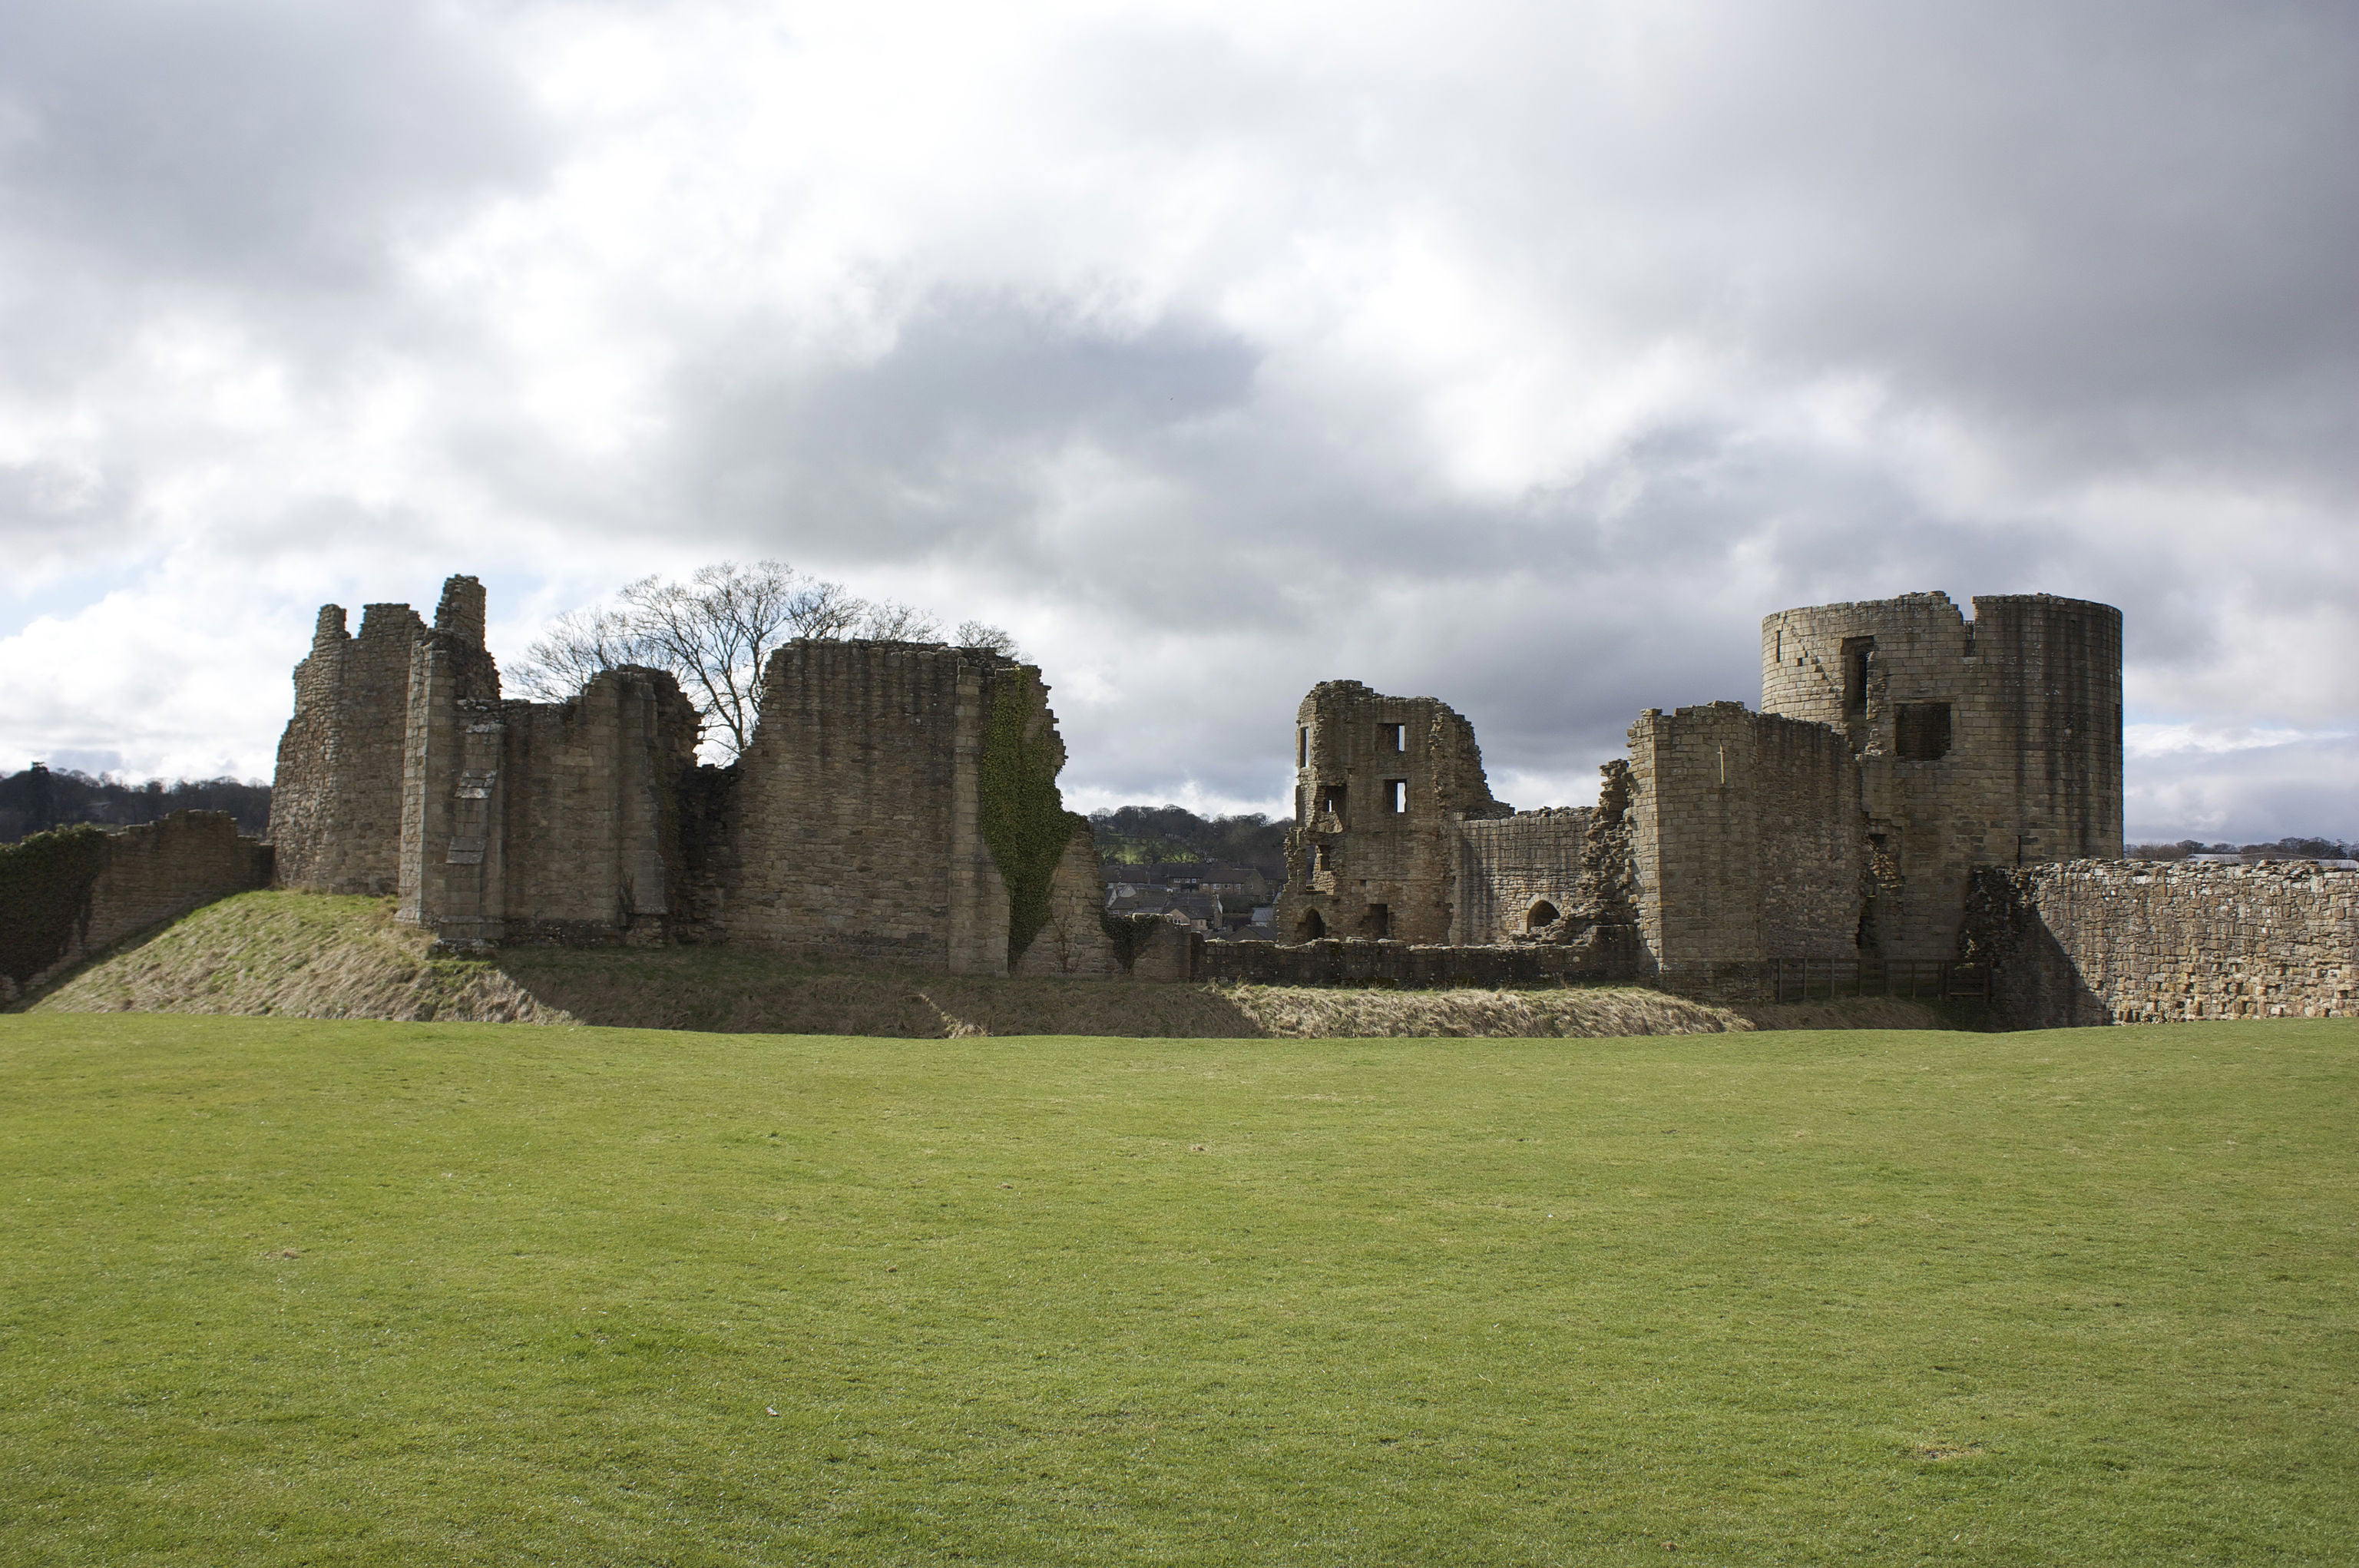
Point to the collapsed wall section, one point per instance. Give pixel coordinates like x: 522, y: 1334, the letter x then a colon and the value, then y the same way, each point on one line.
x: 1992, y: 741
x: 335, y: 807
x: 1745, y: 837
x: 2089, y: 942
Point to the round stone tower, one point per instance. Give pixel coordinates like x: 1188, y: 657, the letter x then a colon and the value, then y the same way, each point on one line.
x: 1995, y: 741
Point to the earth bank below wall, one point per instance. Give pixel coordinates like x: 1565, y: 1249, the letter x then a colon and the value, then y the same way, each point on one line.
x: 66, y: 896
x: 2095, y: 942
x: 1412, y: 966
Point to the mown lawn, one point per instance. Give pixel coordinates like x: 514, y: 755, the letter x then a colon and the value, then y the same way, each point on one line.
x: 279, y: 1292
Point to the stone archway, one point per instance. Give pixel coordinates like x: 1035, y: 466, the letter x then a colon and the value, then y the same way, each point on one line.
x: 1311, y: 927
x: 1541, y: 913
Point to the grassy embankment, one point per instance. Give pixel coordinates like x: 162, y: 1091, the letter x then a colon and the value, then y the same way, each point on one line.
x: 305, y: 955
x: 279, y: 1292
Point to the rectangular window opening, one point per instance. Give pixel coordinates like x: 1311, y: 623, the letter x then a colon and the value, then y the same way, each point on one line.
x: 1858, y: 654
x: 1378, y: 921
x: 1923, y: 731
x: 1393, y: 737
x: 1323, y: 857
x: 1302, y: 746
x: 1330, y: 798
x: 1396, y: 795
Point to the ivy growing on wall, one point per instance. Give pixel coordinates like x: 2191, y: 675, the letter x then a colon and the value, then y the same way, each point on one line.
x: 45, y: 884
x: 1024, y: 820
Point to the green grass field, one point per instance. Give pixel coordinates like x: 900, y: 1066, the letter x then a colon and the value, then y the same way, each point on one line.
x: 281, y: 1292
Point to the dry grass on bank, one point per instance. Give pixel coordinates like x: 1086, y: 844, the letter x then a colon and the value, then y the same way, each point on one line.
x: 312, y: 956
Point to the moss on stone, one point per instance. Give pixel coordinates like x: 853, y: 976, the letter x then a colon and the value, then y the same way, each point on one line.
x: 45, y: 884
x: 1023, y: 816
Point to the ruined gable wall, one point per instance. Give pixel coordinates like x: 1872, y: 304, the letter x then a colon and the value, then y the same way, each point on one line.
x: 335, y: 809
x: 2089, y: 942
x: 1387, y: 873
x: 2031, y: 770
x: 1745, y: 836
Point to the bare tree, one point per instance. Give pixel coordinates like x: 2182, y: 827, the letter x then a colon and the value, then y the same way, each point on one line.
x: 988, y: 638
x: 714, y: 634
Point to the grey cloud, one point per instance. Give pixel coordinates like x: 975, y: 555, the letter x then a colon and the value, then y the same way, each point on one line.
x: 247, y: 144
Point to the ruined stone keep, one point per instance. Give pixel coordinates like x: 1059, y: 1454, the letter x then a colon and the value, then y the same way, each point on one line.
x: 1899, y: 747
x: 899, y: 802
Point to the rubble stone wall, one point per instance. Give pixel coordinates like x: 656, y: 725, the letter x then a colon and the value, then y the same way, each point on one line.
x: 335, y: 810
x: 1746, y: 836
x: 1072, y: 941
x: 1518, y: 874
x: 590, y: 831
x: 1995, y: 741
x: 58, y: 909
x: 2089, y: 942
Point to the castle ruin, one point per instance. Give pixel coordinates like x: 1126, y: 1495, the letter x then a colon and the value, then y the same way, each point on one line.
x: 899, y: 802
x: 1917, y: 787
x: 1899, y: 746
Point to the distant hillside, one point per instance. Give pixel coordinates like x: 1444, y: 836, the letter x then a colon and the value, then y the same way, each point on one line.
x: 316, y: 956
x: 1130, y: 835
x: 40, y: 798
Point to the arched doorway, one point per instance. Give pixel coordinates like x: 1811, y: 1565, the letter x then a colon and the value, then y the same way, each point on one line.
x: 1542, y: 913
x: 1310, y: 927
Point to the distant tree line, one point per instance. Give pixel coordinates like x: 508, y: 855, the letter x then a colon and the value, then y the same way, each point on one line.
x: 1136, y: 835
x: 2283, y: 849
x: 41, y: 798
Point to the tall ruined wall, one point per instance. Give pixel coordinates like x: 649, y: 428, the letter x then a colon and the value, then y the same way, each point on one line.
x: 335, y: 806
x: 1995, y: 741
x: 2089, y: 942
x: 1745, y: 833
x: 1381, y: 784
x: 66, y: 895
x: 452, y: 805
x: 538, y: 822
x: 899, y: 802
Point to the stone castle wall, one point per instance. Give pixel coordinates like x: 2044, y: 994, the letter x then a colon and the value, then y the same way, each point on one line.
x: 67, y: 895
x: 1381, y: 784
x: 2144, y: 941
x: 858, y: 833
x: 1746, y: 831
x: 335, y: 810
x: 1518, y: 874
x: 869, y: 819
x: 1995, y: 741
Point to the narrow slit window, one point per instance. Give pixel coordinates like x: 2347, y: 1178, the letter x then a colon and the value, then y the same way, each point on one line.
x: 1396, y: 795
x: 1392, y: 737
x: 1302, y: 746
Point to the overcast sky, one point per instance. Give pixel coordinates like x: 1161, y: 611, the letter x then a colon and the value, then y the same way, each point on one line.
x: 1520, y: 354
